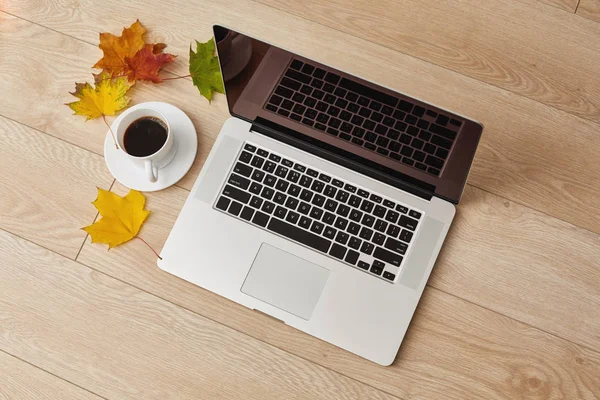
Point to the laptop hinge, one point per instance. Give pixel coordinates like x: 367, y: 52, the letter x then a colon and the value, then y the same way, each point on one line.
x: 344, y: 158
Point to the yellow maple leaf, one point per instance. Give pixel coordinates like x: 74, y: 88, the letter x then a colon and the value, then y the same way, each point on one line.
x: 122, y: 217
x: 106, y: 98
x: 116, y: 48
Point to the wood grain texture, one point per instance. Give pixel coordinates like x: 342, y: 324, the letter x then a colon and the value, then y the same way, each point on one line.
x: 46, y: 187
x: 565, y: 5
x: 589, y: 9
x: 123, y: 343
x: 523, y: 155
x: 447, y: 344
x: 22, y: 381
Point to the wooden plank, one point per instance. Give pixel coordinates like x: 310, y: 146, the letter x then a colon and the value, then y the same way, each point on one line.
x: 46, y: 187
x: 565, y: 5
x: 523, y: 156
x: 446, y: 332
x: 22, y: 381
x: 121, y: 342
x: 589, y: 9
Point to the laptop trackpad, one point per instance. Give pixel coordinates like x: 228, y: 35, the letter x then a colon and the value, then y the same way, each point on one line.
x: 285, y: 281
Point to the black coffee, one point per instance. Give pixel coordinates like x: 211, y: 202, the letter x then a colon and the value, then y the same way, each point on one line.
x: 145, y: 136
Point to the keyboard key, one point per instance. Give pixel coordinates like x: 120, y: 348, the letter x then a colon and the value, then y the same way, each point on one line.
x: 419, y: 155
x: 255, y: 188
x: 440, y: 141
x: 307, y: 90
x: 405, y: 106
x: 292, y: 217
x: 341, y: 223
x: 257, y: 175
x: 408, y: 223
x: 317, y: 227
x: 389, y: 203
x: 354, y: 243
x: 318, y: 200
x: 402, y: 209
x: 319, y: 73
x: 296, y: 64
x: 316, y: 213
x: 338, y: 251
x: 442, y: 153
x: 293, y: 176
x: 239, y: 181
x: 304, y: 208
x: 331, y: 205
x: 381, y: 225
x: 270, y: 180
x: 356, y: 215
x: 260, y: 219
x: 352, y: 257
x: 257, y: 161
x: 392, y: 216
x: 387, y: 256
x: 434, y: 162
x: 442, y: 120
x: 421, y: 166
x: 287, y: 163
x: 299, y: 76
x: 280, y: 212
x: 366, y: 205
x: 304, y: 222
x: 395, y: 245
x: 418, y: 111
x: 312, y: 172
x: 367, y: 248
x: 235, y: 208
x: 269, y: 167
x: 378, y: 238
x: 281, y: 171
x: 294, y: 190
x: 342, y: 196
x: 282, y: 185
x: 363, y: 193
x: 236, y: 194
x: 393, y: 231
x: 223, y: 203
x: 354, y: 201
x: 332, y: 78
x: 455, y: 122
x: 267, y: 193
x: 363, y: 265
x: 299, y: 235
x: 329, y: 232
x: 329, y: 191
x: 342, y: 237
x: 343, y: 210
x: 444, y: 132
x: 279, y: 198
x: 414, y: 214
x: 292, y: 203
x: 406, y: 236
x: 379, y: 211
x: 389, y: 275
x: 305, y: 181
x: 308, y: 69
x: 377, y: 267
x: 329, y: 218
x: 353, y: 228
x: 366, y: 233
x: 306, y: 195
x: 375, y: 106
x: 245, y: 157
x: 247, y: 213
x: 290, y: 83
x: 256, y: 202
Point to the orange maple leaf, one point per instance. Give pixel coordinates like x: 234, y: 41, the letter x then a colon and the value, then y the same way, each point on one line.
x: 146, y: 63
x: 117, y: 48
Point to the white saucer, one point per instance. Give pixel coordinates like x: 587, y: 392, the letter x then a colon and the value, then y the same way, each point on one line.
x: 133, y: 176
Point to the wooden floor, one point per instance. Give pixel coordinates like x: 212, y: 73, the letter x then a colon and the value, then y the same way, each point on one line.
x: 512, y: 309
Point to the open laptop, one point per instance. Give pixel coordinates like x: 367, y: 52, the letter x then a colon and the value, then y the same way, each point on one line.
x: 325, y: 199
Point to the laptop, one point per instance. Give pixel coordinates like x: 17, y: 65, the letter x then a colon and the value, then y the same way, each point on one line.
x: 325, y: 199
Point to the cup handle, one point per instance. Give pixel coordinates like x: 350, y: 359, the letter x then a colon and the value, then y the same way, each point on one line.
x: 151, y: 171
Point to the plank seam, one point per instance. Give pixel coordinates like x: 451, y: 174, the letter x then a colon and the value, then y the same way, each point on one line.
x: 51, y: 373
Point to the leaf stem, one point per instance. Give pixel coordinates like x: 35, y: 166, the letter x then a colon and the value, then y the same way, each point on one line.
x: 111, y: 131
x: 150, y: 247
x: 177, y: 77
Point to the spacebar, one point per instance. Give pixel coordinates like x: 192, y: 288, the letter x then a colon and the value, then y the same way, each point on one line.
x: 299, y: 235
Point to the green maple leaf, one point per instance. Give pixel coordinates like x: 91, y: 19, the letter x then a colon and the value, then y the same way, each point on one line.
x: 205, y: 70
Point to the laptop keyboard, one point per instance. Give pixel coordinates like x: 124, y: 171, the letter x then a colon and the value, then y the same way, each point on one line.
x: 398, y: 129
x: 322, y: 212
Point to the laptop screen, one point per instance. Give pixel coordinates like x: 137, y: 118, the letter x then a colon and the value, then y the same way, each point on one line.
x: 372, y: 126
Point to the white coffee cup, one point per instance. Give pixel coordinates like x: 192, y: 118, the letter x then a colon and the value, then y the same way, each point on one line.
x: 154, y: 162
